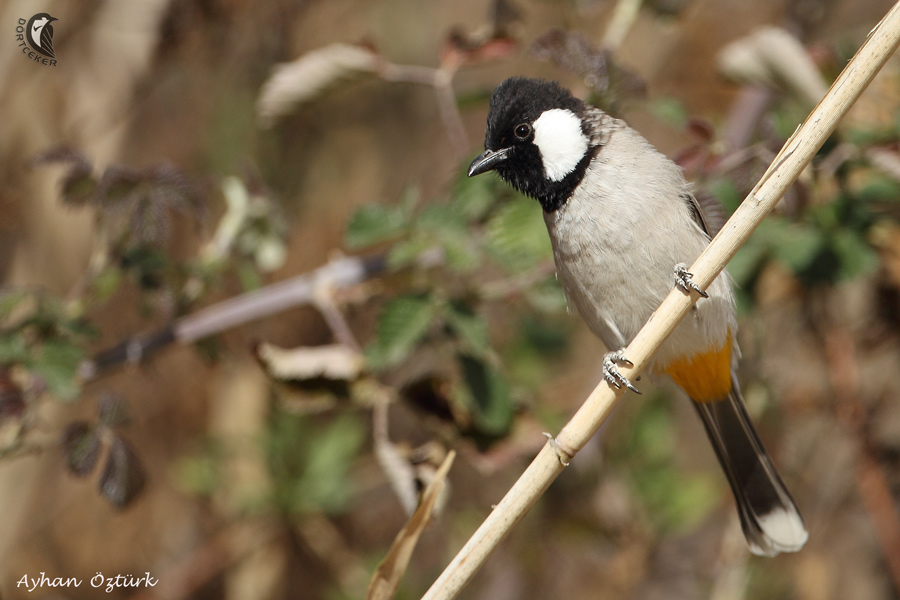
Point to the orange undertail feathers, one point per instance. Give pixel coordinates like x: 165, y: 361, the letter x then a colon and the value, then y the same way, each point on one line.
x: 705, y: 377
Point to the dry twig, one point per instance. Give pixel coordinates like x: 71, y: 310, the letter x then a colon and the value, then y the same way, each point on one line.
x: 297, y: 291
x: 871, y: 483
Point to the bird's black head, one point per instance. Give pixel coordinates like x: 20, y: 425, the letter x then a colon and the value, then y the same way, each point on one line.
x: 536, y: 140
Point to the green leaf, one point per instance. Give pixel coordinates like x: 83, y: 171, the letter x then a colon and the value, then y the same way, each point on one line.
x: 147, y: 264
x: 373, y: 224
x: 57, y: 364
x: 444, y: 224
x: 669, y: 110
x: 406, y: 252
x: 106, y: 283
x: 487, y: 395
x: 745, y: 265
x: 693, y: 497
x: 529, y: 356
x: 9, y: 300
x: 324, y: 483
x: 13, y: 348
x: 460, y: 252
x: 796, y: 245
x: 475, y: 196
x: 199, y: 474
x: 469, y: 327
x: 854, y: 253
x: 310, y: 458
x: 79, y: 187
x: 880, y: 189
x: 402, y: 324
x: 726, y: 191
x: 547, y: 296
x: 676, y: 500
x: 517, y: 236
x: 248, y: 276
x: 440, y: 218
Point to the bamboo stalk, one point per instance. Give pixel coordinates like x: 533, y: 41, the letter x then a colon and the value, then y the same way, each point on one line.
x: 790, y: 161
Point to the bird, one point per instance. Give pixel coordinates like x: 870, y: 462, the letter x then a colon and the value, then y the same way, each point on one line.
x: 623, y: 224
x: 40, y: 33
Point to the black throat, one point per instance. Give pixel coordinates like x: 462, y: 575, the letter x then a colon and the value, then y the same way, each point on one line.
x: 525, y: 172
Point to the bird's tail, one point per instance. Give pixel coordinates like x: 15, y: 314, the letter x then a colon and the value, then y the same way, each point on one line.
x: 769, y: 517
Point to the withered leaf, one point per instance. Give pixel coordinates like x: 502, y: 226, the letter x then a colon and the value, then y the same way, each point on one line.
x: 334, y: 361
x: 123, y: 475
x: 574, y: 52
x: 112, y: 410
x: 81, y: 448
x: 78, y: 185
x: 386, y: 578
x: 309, y: 76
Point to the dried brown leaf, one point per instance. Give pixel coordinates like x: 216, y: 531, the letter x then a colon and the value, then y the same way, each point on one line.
x: 309, y: 76
x: 506, y: 17
x: 81, y: 448
x: 774, y: 57
x: 59, y: 154
x: 118, y: 186
x: 387, y: 576
x: 886, y: 160
x: 701, y: 129
x: 296, y: 364
x: 574, y: 52
x: 12, y: 398
x: 112, y: 410
x: 459, y: 50
x: 123, y: 475
x: 78, y: 184
x: 146, y: 196
x: 399, y: 471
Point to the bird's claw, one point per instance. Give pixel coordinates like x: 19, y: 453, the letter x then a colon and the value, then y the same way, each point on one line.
x: 684, y: 280
x: 611, y: 371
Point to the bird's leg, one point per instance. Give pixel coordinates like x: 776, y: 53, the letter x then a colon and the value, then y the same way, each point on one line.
x: 684, y: 280
x: 611, y: 371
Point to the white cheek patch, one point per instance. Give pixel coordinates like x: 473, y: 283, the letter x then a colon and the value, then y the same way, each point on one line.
x: 558, y: 136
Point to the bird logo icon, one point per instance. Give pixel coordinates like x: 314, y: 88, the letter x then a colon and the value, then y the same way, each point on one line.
x: 40, y: 34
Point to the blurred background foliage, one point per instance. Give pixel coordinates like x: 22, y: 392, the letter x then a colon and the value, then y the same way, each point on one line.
x: 186, y: 153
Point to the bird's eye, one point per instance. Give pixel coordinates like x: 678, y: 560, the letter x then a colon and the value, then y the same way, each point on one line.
x: 523, y: 131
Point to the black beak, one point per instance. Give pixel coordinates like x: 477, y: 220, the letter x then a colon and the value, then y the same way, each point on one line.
x: 487, y: 161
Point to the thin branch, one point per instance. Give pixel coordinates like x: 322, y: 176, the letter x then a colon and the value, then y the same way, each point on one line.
x: 504, y: 289
x: 871, y: 483
x: 323, y: 299
x: 446, y: 100
x: 220, y: 551
x: 441, y: 79
x: 793, y: 158
x: 233, y: 312
x: 408, y: 74
x: 624, y: 15
x: 881, y: 508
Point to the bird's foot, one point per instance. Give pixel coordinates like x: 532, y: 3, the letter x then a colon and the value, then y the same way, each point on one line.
x: 611, y: 373
x: 684, y: 280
